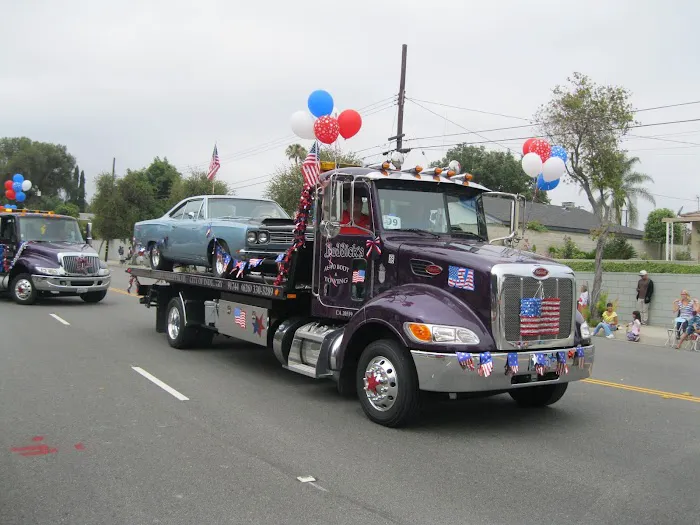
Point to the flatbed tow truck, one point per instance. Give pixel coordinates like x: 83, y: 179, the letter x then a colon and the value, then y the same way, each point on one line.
x: 396, y: 292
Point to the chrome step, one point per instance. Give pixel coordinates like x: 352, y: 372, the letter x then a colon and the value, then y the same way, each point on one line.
x: 305, y: 370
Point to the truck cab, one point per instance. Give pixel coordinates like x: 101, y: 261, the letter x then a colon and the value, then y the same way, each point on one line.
x: 43, y: 254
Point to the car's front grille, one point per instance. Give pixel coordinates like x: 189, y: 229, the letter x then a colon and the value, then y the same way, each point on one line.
x: 519, y: 287
x: 81, y: 265
x: 286, y: 237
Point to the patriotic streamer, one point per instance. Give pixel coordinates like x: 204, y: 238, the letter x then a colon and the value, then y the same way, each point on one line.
x: 562, y: 367
x: 540, y: 363
x: 373, y: 245
x: 22, y: 246
x: 579, y: 356
x: 512, y: 364
x: 465, y: 360
x: 301, y: 220
x: 485, y: 364
x: 240, y: 266
x: 4, y: 263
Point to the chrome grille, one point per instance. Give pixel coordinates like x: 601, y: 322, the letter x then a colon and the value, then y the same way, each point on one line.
x: 286, y: 237
x: 81, y: 265
x: 517, y: 287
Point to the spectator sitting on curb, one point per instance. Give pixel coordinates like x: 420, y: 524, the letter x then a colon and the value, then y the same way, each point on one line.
x: 609, y: 322
x: 635, y: 327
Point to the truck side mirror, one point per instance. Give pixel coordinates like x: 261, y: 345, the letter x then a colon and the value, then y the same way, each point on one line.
x: 88, y: 233
x: 190, y: 215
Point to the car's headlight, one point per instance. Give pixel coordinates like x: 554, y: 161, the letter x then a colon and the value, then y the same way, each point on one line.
x: 585, y: 331
x: 103, y: 272
x: 251, y: 237
x: 263, y: 237
x: 435, y: 333
x: 51, y: 271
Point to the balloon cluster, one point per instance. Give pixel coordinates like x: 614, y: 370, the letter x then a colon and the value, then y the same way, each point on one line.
x: 16, y: 188
x: 544, y: 162
x: 317, y: 123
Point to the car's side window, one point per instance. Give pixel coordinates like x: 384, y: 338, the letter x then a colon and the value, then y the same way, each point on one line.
x: 192, y: 207
x: 202, y: 211
x: 179, y: 212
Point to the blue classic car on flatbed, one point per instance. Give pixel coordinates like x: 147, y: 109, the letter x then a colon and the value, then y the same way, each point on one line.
x: 185, y: 234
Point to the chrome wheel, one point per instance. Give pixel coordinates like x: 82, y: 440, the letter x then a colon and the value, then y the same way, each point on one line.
x: 381, y: 383
x: 23, y: 289
x: 220, y: 266
x: 173, y: 323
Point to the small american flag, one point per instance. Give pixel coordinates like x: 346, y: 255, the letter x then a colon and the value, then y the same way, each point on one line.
x: 512, y: 364
x: 465, y: 360
x: 310, y: 168
x: 253, y: 263
x: 485, y: 364
x: 539, y: 316
x: 562, y: 367
x: 358, y: 276
x: 239, y: 317
x: 459, y: 277
x: 214, y: 165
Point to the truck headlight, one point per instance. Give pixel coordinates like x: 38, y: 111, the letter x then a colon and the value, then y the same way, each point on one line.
x: 251, y: 237
x: 585, y: 331
x: 435, y: 333
x: 51, y: 271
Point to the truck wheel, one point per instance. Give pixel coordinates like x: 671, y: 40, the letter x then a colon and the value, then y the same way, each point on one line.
x: 93, y: 297
x: 538, y: 396
x: 22, y: 289
x: 179, y: 336
x: 158, y: 262
x: 387, y: 384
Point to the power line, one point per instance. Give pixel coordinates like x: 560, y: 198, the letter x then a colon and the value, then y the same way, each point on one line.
x: 467, y: 109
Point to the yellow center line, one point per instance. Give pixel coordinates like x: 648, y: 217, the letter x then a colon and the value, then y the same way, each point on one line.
x: 123, y: 292
x: 641, y: 390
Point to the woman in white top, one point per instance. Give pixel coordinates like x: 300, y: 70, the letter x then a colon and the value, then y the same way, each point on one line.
x: 583, y: 298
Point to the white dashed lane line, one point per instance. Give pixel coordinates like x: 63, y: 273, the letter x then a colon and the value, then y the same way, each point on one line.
x: 60, y: 319
x: 170, y: 390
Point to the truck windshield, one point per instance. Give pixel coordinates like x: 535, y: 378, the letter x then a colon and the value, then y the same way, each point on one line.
x: 434, y: 208
x: 220, y: 208
x: 47, y: 229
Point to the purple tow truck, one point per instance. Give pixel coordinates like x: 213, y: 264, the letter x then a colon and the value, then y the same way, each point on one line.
x: 397, y: 293
x: 43, y: 254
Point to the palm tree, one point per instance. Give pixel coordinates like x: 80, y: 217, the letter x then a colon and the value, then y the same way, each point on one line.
x: 623, y: 191
x: 295, y: 152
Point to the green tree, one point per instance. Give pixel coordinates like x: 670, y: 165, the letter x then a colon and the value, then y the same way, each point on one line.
x: 108, y: 210
x: 75, y: 183
x: 197, y: 184
x: 295, y: 152
x: 497, y: 170
x: 285, y: 186
x: 162, y: 176
x: 68, y: 208
x: 81, y: 192
x: 655, y: 229
x: 624, y: 190
x: 590, y: 121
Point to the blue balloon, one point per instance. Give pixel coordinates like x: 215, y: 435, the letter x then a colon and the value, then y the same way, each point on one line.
x: 18, y: 178
x: 20, y: 197
x: 17, y: 186
x: 320, y: 103
x: 543, y: 185
x: 13, y: 206
x: 559, y: 151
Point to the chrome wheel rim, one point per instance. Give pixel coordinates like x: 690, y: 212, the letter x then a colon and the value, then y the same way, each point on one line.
x: 173, y: 323
x: 23, y: 289
x: 155, y: 256
x: 220, y: 266
x: 381, y: 383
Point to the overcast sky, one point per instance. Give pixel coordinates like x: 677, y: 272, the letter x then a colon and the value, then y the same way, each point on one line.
x: 139, y: 79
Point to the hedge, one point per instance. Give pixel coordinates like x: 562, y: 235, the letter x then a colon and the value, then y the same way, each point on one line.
x: 634, y: 267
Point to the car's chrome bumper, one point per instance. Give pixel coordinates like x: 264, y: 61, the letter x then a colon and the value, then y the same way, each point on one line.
x: 438, y: 372
x: 71, y: 284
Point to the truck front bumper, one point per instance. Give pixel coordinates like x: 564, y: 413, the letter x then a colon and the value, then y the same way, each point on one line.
x: 71, y: 284
x: 438, y: 372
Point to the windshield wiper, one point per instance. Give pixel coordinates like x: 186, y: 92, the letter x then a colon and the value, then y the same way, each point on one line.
x: 468, y: 234
x: 418, y: 230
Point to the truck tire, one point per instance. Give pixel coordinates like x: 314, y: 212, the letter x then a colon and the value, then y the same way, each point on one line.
x: 387, y: 384
x: 179, y: 336
x: 538, y: 396
x: 93, y: 297
x: 22, y: 289
x: 157, y: 260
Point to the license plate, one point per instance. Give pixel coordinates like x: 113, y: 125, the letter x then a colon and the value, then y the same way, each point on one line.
x: 82, y: 290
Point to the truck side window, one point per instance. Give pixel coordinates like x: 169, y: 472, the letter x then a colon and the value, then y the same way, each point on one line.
x: 8, y: 232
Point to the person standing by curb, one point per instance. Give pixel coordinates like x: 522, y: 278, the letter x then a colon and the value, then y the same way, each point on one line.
x: 645, y: 289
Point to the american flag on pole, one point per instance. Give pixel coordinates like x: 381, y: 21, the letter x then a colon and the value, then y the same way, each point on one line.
x: 539, y: 316
x: 239, y: 317
x: 214, y: 165
x: 459, y: 277
x: 358, y: 276
x: 310, y: 168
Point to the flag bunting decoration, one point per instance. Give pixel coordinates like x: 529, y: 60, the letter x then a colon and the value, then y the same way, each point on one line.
x: 512, y: 364
x: 214, y: 165
x: 301, y: 220
x: 539, y: 316
x: 579, y: 356
x: 4, y: 261
x: 279, y: 258
x: 310, y: 167
x: 240, y: 266
x: 465, y: 360
x: 373, y: 246
x: 458, y: 277
x: 239, y: 317
x: 540, y: 363
x: 485, y: 364
x: 562, y: 367
x: 254, y: 263
x: 358, y: 276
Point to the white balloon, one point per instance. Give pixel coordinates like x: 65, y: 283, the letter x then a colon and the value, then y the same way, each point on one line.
x: 303, y: 125
x: 553, y: 169
x: 532, y: 165
x: 26, y: 185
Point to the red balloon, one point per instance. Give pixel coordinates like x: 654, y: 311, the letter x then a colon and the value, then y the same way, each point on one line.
x: 350, y: 123
x: 542, y: 148
x: 526, y: 146
x: 10, y: 194
x: 326, y: 129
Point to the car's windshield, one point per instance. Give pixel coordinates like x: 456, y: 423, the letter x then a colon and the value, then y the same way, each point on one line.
x: 434, y: 208
x: 49, y: 229
x: 245, y: 208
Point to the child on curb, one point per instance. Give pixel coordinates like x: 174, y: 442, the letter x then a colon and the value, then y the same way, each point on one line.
x: 635, y: 327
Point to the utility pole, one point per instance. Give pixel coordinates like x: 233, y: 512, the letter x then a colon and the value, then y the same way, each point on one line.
x: 402, y: 99
x: 114, y: 180
x: 114, y: 164
x: 697, y: 199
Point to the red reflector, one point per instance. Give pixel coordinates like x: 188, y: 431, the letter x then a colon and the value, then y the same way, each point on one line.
x: 433, y: 269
